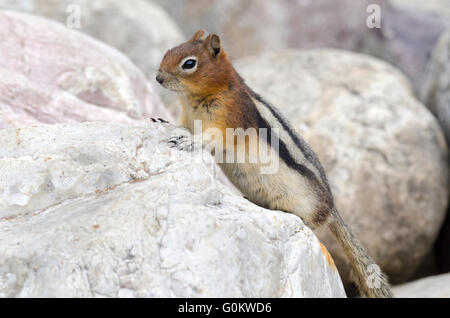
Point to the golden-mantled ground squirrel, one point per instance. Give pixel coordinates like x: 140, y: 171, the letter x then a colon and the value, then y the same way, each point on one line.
x: 212, y: 92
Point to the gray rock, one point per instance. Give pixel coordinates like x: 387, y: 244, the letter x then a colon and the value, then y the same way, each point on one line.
x: 407, y: 37
x: 384, y: 152
x: 103, y: 210
x: 53, y: 74
x: 436, y: 89
x: 430, y: 287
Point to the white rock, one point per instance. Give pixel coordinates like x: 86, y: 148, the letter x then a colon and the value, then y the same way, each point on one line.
x: 429, y: 287
x: 114, y: 212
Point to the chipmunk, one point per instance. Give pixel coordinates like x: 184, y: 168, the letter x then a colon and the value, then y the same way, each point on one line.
x: 211, y: 90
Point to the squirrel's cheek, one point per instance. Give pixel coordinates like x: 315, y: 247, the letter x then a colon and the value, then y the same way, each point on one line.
x: 190, y: 84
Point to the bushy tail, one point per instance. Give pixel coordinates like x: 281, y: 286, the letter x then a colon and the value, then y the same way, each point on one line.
x: 367, y: 276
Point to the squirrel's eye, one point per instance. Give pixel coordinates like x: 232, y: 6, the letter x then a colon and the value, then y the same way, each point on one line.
x: 189, y: 64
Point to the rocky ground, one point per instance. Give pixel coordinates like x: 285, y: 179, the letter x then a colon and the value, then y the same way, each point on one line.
x: 122, y: 214
x: 98, y: 209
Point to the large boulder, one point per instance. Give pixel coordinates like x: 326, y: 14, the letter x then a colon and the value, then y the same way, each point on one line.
x: 383, y: 151
x: 140, y: 29
x: 429, y: 287
x: 102, y: 210
x: 50, y: 73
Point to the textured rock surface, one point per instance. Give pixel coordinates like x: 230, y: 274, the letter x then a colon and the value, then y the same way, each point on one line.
x: 253, y: 26
x: 50, y: 73
x: 430, y: 287
x: 442, y: 256
x: 140, y: 29
x: 436, y: 89
x: 383, y: 151
x: 96, y: 210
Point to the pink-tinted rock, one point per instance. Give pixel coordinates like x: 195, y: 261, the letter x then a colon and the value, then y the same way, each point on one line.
x: 50, y: 73
x: 24, y: 102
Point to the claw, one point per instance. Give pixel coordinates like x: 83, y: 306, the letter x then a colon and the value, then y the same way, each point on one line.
x: 181, y: 142
x: 159, y: 120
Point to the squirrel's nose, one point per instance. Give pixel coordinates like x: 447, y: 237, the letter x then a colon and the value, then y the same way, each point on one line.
x: 159, y: 79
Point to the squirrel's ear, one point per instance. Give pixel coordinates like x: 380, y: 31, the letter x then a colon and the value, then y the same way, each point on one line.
x: 199, y: 35
x: 214, y: 44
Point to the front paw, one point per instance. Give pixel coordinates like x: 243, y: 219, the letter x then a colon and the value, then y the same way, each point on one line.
x: 182, y: 142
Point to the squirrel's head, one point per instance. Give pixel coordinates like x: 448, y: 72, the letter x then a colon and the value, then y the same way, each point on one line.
x: 197, y: 66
